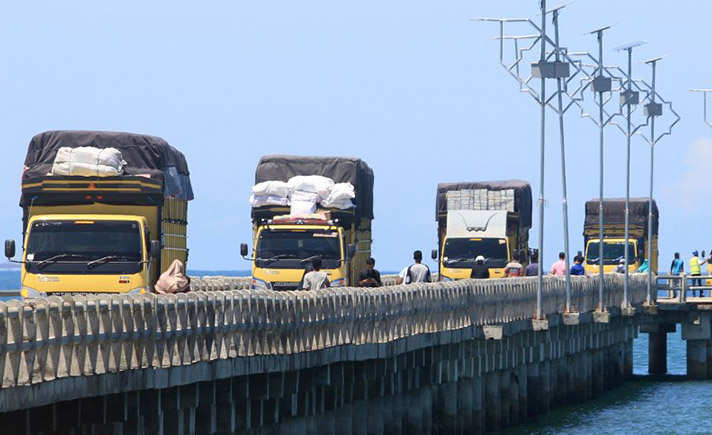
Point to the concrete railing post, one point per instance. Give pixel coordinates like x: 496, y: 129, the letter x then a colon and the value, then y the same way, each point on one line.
x: 683, y: 288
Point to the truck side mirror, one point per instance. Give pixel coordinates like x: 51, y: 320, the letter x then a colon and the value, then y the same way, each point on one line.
x: 9, y: 248
x: 434, y: 254
x: 351, y: 250
x: 155, y: 249
x: 243, y: 249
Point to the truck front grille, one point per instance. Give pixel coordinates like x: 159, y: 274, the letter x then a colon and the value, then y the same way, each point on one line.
x: 285, y: 285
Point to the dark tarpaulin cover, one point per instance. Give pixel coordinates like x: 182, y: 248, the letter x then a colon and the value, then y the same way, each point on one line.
x: 522, y: 196
x: 143, y: 154
x: 614, y: 212
x: 340, y: 169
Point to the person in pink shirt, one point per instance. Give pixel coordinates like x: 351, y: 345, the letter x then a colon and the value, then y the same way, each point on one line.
x: 559, y: 268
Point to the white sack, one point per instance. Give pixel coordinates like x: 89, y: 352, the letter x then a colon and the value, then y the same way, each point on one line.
x: 303, y: 202
x: 339, y: 192
x: 83, y: 170
x: 263, y: 200
x: 302, y: 207
x: 88, y: 162
x: 275, y: 188
x: 299, y: 195
x: 311, y: 183
x: 341, y: 204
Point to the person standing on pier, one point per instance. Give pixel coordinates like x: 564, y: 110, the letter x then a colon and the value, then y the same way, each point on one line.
x: 577, y: 268
x: 621, y: 266
x: 416, y: 272
x: 533, y: 268
x: 559, y: 267
x: 514, y: 268
x: 316, y: 279
x: 480, y: 271
x: 370, y: 277
x: 677, y: 266
x: 696, y: 270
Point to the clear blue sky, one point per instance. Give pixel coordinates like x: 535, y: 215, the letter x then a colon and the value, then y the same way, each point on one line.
x: 414, y: 88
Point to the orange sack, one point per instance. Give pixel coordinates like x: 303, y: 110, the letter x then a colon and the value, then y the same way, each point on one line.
x: 173, y: 280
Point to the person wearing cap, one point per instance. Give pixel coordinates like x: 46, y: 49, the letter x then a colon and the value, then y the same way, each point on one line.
x: 480, y: 271
x: 621, y: 266
x: 696, y: 270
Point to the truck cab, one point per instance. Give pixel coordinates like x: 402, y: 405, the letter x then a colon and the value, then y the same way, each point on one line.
x: 101, y: 233
x: 471, y: 233
x: 283, y: 251
x: 487, y: 218
x: 286, y: 238
x: 613, y: 252
x: 640, y: 237
x: 87, y: 254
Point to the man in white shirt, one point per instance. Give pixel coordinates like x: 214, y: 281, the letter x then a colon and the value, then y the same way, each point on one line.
x: 315, y: 279
x: 416, y: 272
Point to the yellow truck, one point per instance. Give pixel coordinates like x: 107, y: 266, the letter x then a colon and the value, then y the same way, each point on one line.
x: 614, y: 243
x: 101, y: 234
x: 284, y: 243
x: 487, y: 218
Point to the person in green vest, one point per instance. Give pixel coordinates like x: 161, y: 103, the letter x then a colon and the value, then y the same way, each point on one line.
x: 696, y: 270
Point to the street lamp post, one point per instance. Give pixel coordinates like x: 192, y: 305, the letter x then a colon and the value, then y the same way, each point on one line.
x: 601, y: 85
x: 629, y: 97
x: 565, y: 207
x: 542, y: 143
x: 652, y: 110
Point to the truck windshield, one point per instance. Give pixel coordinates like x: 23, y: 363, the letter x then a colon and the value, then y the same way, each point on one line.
x: 67, y: 246
x: 285, y: 249
x: 462, y: 252
x: 613, y: 252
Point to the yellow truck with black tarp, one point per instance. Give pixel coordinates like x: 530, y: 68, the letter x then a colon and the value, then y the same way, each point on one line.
x: 101, y: 234
x: 484, y: 218
x: 284, y: 244
x: 614, y: 243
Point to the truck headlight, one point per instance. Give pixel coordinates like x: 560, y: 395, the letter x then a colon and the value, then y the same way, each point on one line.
x: 258, y: 284
x: 28, y: 292
x: 337, y: 283
x: 138, y: 291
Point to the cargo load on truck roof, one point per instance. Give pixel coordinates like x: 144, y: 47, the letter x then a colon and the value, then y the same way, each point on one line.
x: 339, y: 169
x: 511, y: 195
x: 145, y: 156
x: 614, y: 213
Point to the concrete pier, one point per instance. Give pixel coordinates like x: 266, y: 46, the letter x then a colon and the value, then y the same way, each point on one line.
x: 461, y: 357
